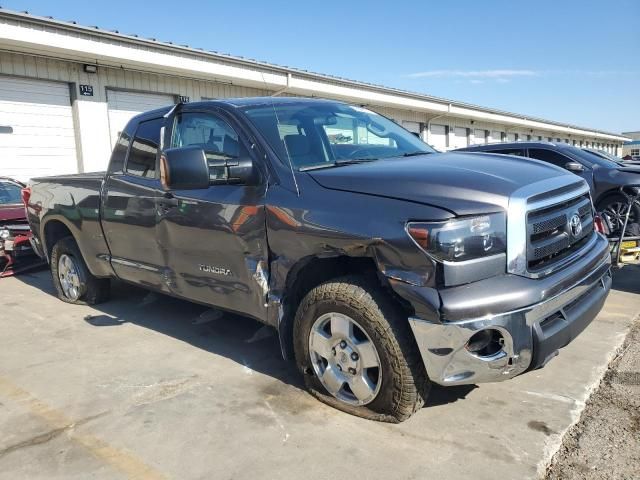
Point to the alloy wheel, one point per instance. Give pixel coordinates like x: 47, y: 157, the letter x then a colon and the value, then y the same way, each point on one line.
x: 69, y: 277
x: 615, y: 213
x: 345, y: 359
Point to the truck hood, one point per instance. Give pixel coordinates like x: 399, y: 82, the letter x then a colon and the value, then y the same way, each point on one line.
x: 462, y: 183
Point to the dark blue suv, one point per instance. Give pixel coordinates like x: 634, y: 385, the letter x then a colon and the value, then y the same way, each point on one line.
x: 604, y: 176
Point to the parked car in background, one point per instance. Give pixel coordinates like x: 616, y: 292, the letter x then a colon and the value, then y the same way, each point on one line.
x: 14, y: 228
x: 382, y: 264
x: 604, y: 176
x: 624, y: 162
x: 603, y: 154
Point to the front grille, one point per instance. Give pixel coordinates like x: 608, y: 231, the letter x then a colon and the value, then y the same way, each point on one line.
x: 550, y: 236
x: 15, y: 227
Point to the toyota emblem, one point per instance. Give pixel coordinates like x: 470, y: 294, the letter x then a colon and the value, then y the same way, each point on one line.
x: 575, y: 225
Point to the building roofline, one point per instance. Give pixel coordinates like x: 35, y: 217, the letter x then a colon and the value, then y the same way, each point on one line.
x: 133, y: 38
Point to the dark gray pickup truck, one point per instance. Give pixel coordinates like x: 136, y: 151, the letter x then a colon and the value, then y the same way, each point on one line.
x: 383, y: 265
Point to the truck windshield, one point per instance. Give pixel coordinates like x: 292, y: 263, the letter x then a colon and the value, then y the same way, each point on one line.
x: 316, y: 135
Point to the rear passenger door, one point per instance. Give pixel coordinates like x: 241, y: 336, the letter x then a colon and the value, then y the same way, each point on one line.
x: 129, y: 200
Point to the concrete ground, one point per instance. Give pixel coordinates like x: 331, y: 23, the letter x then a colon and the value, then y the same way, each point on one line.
x: 146, y: 386
x: 605, y: 443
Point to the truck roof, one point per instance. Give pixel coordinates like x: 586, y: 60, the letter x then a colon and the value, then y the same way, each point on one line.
x: 242, y: 102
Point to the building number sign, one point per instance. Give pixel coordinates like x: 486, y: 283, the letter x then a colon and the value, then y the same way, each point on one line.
x: 86, y: 90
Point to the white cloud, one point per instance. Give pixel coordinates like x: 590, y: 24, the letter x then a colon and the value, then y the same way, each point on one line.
x: 475, y: 74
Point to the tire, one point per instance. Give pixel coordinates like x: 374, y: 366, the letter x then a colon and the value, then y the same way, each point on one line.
x: 87, y: 289
x: 398, y: 387
x: 614, y: 207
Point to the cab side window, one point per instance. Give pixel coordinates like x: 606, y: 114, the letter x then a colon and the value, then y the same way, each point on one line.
x: 549, y: 156
x: 144, y: 149
x: 519, y: 152
x: 211, y: 133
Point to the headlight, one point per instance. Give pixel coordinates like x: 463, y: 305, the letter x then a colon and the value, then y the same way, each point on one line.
x: 4, y: 233
x: 461, y: 239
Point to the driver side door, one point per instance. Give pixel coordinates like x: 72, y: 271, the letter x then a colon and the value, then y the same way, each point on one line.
x: 214, y: 239
x: 560, y: 160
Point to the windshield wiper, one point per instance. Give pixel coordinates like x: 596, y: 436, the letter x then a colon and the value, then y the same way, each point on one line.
x: 350, y: 161
x: 337, y: 163
x: 415, y: 154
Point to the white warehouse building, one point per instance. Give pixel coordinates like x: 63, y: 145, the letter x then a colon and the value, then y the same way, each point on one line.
x: 66, y: 91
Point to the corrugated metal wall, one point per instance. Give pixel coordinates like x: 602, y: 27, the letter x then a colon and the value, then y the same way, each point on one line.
x: 112, y: 78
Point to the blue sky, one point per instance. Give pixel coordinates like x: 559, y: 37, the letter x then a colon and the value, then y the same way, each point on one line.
x: 573, y: 61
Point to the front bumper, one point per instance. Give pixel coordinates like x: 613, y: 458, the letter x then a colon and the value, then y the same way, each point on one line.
x: 532, y: 334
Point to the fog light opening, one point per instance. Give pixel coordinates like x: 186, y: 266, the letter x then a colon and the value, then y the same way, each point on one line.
x: 486, y: 343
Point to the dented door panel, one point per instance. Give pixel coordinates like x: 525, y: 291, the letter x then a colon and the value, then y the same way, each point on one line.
x: 215, y: 249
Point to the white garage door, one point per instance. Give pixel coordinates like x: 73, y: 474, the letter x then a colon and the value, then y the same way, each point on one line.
x: 496, y: 136
x: 438, y: 137
x: 36, y: 129
x: 124, y: 105
x: 460, y: 138
x: 479, y: 136
x: 413, y: 127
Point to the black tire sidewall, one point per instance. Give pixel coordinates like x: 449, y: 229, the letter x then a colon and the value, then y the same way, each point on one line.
x: 69, y: 247
x: 385, y: 397
x: 617, y: 198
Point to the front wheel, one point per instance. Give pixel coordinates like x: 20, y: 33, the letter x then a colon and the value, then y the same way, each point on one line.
x: 614, y: 208
x: 72, y: 280
x: 357, y: 352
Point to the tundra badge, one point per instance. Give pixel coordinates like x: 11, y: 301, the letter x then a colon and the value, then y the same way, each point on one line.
x: 215, y: 270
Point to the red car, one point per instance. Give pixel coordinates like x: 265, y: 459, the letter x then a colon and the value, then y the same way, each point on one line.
x: 15, y: 247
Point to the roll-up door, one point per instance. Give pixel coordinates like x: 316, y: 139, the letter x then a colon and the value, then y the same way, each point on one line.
x: 37, y: 135
x: 438, y: 137
x: 123, y: 105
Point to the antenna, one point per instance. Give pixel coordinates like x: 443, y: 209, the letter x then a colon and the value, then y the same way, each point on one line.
x: 286, y: 149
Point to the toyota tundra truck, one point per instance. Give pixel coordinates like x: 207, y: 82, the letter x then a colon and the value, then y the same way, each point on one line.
x: 383, y: 265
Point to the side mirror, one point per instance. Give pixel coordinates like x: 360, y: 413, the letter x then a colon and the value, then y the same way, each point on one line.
x: 184, y: 168
x: 233, y: 171
x: 187, y: 168
x: 574, y: 167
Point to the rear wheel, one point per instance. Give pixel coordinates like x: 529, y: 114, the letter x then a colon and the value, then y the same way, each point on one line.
x: 72, y: 280
x: 357, y: 351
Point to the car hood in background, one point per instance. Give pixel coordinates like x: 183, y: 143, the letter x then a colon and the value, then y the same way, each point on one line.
x: 629, y: 169
x: 463, y: 183
x: 12, y: 212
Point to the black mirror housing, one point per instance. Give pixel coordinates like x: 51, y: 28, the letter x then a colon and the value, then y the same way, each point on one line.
x: 242, y: 171
x: 574, y: 167
x: 184, y: 168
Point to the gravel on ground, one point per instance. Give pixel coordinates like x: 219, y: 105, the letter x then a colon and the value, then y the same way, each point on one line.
x: 605, y: 443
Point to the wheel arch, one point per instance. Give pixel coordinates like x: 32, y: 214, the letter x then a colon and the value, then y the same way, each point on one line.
x: 606, y: 194
x: 53, y: 230
x: 311, y: 271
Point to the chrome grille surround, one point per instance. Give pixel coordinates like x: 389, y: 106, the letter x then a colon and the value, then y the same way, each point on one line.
x: 538, y: 199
